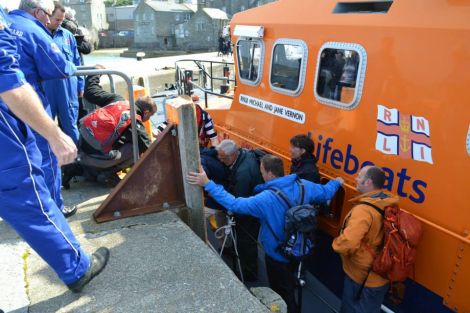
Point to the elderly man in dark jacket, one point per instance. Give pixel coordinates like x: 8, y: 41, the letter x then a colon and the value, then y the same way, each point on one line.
x: 244, y: 176
x: 304, y: 164
x: 216, y: 170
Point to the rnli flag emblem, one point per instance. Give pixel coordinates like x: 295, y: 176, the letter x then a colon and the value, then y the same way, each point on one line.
x: 405, y: 135
x: 55, y: 47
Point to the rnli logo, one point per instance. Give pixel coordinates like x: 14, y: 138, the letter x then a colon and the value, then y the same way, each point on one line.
x: 55, y: 48
x: 405, y: 135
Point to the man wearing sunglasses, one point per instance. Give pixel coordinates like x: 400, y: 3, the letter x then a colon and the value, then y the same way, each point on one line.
x: 40, y: 60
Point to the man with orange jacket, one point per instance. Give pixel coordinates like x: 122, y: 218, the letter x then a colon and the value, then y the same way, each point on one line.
x: 361, y: 236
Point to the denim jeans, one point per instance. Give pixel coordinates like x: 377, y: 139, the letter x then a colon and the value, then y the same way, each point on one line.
x: 369, y: 301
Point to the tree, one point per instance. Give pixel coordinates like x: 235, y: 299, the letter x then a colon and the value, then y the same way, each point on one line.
x: 117, y: 3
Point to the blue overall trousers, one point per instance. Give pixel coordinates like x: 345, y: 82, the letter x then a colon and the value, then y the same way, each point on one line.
x: 26, y: 204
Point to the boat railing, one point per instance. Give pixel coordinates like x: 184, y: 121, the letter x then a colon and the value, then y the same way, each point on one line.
x: 206, y: 82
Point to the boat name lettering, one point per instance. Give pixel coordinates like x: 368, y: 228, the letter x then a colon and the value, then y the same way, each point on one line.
x: 273, y: 108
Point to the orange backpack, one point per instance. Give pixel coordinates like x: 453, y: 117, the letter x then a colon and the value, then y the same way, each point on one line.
x: 402, y: 233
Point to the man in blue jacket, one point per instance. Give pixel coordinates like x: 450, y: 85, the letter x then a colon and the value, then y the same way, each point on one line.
x: 41, y: 59
x: 63, y: 93
x: 27, y: 205
x: 269, y: 209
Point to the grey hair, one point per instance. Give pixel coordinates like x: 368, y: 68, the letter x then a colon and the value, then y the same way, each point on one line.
x: 228, y: 146
x: 29, y: 5
x: 70, y: 13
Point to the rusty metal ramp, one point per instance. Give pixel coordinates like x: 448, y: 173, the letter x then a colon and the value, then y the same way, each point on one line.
x: 154, y: 184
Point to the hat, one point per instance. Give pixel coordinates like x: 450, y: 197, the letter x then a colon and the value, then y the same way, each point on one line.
x: 195, y: 98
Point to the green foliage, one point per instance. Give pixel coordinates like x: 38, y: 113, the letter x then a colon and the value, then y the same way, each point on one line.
x: 117, y: 3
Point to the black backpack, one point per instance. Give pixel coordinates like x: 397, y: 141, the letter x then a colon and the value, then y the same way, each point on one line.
x: 300, y: 226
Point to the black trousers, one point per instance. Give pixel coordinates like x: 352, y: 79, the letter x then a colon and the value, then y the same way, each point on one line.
x: 247, y: 229
x: 282, y: 280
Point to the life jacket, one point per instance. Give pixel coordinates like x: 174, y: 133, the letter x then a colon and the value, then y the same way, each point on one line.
x: 101, y: 128
x: 203, y: 139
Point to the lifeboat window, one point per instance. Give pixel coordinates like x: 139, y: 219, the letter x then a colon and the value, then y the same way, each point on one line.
x: 363, y: 7
x: 250, y: 54
x: 340, y: 74
x: 289, y: 59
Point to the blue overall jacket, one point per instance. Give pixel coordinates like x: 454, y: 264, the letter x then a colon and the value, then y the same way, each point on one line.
x: 63, y: 93
x: 40, y: 57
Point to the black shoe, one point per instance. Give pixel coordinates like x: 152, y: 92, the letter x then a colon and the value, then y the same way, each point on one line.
x: 68, y: 211
x: 110, y: 180
x: 99, y: 259
x: 69, y: 171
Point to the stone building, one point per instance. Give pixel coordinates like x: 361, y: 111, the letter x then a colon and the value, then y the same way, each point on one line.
x: 155, y: 22
x: 233, y: 6
x: 202, y: 30
x: 170, y: 25
x: 121, y: 18
x: 91, y: 14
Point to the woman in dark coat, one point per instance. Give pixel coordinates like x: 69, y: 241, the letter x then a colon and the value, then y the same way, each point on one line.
x: 304, y: 163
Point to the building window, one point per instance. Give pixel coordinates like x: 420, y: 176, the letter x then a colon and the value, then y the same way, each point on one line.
x: 250, y: 54
x: 200, y: 26
x: 288, y: 64
x: 340, y: 74
x: 177, y: 17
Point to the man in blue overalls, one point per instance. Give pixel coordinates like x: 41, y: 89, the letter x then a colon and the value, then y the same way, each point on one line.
x: 63, y: 93
x: 27, y: 205
x: 41, y: 59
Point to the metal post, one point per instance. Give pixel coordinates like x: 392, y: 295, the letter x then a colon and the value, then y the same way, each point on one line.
x: 212, y: 81
x: 111, y: 83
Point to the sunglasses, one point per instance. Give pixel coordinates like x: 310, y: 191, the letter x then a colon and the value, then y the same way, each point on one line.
x: 45, y: 12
